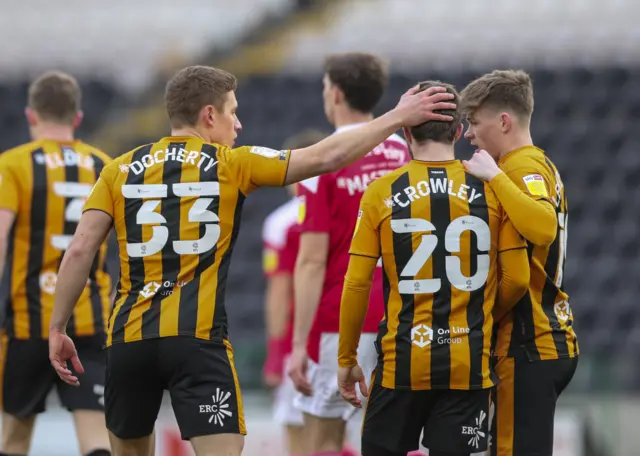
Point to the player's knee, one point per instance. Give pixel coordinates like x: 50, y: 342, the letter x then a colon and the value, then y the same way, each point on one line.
x: 99, y: 453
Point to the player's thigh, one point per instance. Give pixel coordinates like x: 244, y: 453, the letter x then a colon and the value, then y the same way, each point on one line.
x: 204, y: 388
x: 16, y: 433
x: 324, y: 434
x: 143, y: 446
x: 218, y: 445
x: 133, y: 389
x: 91, y: 430
x: 296, y: 440
x: 458, y: 422
x: 90, y: 394
x: 393, y: 419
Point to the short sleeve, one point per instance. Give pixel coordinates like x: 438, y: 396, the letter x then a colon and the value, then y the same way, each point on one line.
x: 509, y: 238
x: 256, y: 166
x: 366, y: 236
x: 9, y: 186
x: 315, y: 209
x: 101, y: 197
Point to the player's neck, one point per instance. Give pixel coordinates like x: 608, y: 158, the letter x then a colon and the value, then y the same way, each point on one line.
x: 52, y: 132
x: 518, y: 141
x: 344, y: 117
x: 190, y: 132
x: 433, y: 151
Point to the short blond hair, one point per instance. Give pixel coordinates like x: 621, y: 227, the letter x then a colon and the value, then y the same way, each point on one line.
x: 500, y: 89
x: 193, y: 88
x: 55, y: 96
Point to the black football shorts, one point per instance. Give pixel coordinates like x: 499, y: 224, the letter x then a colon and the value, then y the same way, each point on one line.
x: 525, y: 404
x: 27, y: 376
x: 453, y: 421
x: 199, y: 374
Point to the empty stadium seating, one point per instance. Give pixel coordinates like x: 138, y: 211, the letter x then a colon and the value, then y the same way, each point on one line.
x: 451, y: 33
x: 124, y: 40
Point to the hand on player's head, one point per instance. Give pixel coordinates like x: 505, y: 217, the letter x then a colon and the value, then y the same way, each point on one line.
x: 418, y: 107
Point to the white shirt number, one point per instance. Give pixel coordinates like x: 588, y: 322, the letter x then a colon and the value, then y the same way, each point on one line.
x: 452, y: 263
x: 198, y: 213
x: 78, y: 192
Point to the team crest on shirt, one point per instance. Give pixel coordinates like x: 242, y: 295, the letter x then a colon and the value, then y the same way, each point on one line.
x: 124, y: 168
x: 389, y: 202
x: 535, y: 184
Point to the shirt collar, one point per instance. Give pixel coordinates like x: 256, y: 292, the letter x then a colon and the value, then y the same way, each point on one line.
x: 348, y: 127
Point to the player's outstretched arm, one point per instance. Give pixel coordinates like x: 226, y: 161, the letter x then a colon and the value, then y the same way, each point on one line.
x: 340, y: 150
x: 534, y: 218
x: 91, y: 232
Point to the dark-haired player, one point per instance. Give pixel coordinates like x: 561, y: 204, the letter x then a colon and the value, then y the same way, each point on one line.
x: 353, y: 86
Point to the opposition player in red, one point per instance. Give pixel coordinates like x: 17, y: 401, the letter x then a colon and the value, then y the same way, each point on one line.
x: 353, y: 86
x: 280, y: 236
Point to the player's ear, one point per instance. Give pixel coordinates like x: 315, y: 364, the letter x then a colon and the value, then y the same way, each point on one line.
x: 32, y: 117
x: 208, y: 115
x: 77, y: 120
x: 459, y: 131
x: 506, y: 122
x: 337, y: 96
x: 407, y: 135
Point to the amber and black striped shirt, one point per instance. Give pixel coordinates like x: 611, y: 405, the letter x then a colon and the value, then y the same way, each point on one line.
x: 45, y: 183
x: 542, y: 321
x: 176, y: 206
x: 439, y: 231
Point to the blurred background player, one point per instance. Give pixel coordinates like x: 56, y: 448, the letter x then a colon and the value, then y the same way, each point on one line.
x: 280, y: 236
x: 353, y: 85
x: 537, y: 348
x: 169, y: 327
x: 44, y: 185
x: 444, y: 242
